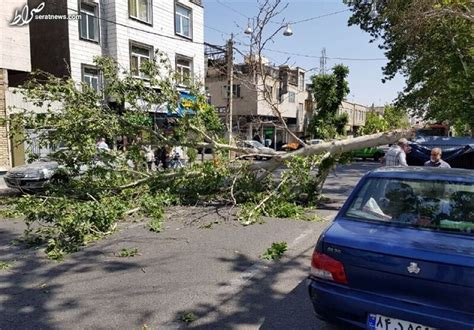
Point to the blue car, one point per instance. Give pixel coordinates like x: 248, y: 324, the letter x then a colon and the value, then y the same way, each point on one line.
x: 400, y: 253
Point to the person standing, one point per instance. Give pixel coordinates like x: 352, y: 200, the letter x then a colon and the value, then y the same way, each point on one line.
x: 150, y: 157
x: 102, y: 145
x: 435, y: 159
x: 397, y: 154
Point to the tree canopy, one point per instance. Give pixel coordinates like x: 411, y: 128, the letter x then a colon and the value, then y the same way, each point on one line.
x: 329, y: 90
x: 431, y: 43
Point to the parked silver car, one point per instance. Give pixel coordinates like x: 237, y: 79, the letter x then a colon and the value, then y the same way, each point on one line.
x: 31, y: 177
x: 257, y: 147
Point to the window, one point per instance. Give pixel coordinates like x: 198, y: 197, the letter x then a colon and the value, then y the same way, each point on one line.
x: 183, y: 21
x: 138, y: 56
x: 235, y: 91
x: 140, y: 10
x: 89, y: 23
x: 184, y: 68
x: 90, y: 76
x: 301, y: 81
x: 291, y: 97
x: 428, y: 204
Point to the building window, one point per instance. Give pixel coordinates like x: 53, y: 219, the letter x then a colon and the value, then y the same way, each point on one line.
x: 183, y: 21
x: 139, y: 55
x: 235, y: 91
x: 291, y: 97
x: 90, y: 77
x: 301, y: 81
x: 89, y: 24
x: 184, y: 68
x: 140, y: 10
x: 277, y: 94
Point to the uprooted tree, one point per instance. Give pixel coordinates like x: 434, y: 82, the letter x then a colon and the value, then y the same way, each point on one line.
x: 97, y: 188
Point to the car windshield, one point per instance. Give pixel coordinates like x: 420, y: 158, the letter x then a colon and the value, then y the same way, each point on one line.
x: 437, y: 205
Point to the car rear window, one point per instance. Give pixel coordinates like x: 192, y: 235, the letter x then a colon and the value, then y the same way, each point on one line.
x: 436, y: 205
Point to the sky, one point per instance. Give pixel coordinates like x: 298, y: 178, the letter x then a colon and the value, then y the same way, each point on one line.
x: 223, y: 17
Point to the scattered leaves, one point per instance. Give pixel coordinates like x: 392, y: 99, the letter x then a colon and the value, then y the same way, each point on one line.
x: 127, y: 252
x: 188, y: 317
x: 276, y: 251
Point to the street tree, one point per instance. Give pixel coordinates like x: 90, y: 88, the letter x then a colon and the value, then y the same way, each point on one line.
x: 329, y: 90
x: 374, y: 123
x: 430, y: 43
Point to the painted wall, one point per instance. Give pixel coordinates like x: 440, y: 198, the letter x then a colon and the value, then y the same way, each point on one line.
x: 14, y: 40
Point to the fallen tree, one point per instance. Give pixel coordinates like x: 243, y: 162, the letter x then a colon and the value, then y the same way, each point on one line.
x: 105, y: 187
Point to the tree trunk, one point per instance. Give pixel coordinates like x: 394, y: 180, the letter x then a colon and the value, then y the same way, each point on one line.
x: 337, y: 147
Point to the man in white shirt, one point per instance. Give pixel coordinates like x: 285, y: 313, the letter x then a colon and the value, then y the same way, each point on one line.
x: 397, y: 154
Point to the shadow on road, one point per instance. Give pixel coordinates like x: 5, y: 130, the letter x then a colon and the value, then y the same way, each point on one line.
x: 259, y: 303
x: 30, y: 291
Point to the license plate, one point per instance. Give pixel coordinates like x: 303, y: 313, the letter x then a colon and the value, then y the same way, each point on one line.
x: 381, y: 322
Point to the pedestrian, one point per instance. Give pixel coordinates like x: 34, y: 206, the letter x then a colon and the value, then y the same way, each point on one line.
x: 257, y: 138
x: 150, y: 157
x: 102, y: 145
x: 163, y: 156
x: 435, y: 159
x: 268, y: 141
x: 397, y: 154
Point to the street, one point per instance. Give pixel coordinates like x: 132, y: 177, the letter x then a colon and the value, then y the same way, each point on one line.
x: 203, y: 266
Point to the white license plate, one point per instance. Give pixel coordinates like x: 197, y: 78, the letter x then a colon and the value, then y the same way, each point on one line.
x: 381, y: 322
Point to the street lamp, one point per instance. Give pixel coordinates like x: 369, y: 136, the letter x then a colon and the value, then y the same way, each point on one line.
x: 248, y: 30
x: 288, y: 31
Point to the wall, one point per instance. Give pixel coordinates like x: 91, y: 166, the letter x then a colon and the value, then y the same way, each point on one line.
x: 5, y: 162
x: 164, y: 37
x: 82, y: 51
x: 15, y: 41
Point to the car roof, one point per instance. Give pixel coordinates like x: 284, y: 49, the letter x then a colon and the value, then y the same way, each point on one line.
x: 424, y: 173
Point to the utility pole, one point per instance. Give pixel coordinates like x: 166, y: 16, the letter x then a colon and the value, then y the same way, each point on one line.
x: 230, y: 77
x: 323, y: 62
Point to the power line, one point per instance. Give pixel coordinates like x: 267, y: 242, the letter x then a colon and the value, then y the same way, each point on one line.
x: 232, y: 9
x: 318, y: 17
x: 319, y: 57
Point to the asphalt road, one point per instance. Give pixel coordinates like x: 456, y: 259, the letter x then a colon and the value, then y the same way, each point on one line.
x: 214, y: 273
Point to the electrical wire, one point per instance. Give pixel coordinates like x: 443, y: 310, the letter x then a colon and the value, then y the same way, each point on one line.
x: 330, y: 58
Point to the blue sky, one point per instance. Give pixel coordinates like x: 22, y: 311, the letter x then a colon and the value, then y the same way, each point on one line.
x: 309, y: 38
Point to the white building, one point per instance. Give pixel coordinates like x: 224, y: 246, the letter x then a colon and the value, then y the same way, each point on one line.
x: 130, y: 31
x: 14, y: 61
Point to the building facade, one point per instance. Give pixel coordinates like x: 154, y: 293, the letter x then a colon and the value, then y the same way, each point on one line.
x: 14, y: 61
x: 129, y: 31
x: 357, y: 115
x: 255, y: 97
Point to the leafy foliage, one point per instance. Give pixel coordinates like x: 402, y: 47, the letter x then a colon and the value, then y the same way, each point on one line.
x: 276, y: 251
x: 188, y: 317
x: 127, y: 252
x: 5, y: 265
x: 431, y: 43
x: 329, y: 90
x: 374, y: 123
